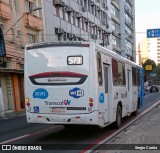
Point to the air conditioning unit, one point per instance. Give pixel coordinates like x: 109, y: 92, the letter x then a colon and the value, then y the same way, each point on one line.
x: 107, y: 26
x: 65, y: 36
x: 93, y: 24
x: 59, y: 3
x: 68, y: 9
x: 99, y: 29
x: 70, y: 36
x: 106, y: 7
x: 79, y: 15
x: 22, y: 46
x: 84, y: 9
x: 94, y: 36
x: 59, y: 31
x: 92, y: 3
x: 86, y: 20
x: 99, y: 9
x: 98, y: 1
x: 102, y: 23
x: 11, y: 41
x: 102, y: 44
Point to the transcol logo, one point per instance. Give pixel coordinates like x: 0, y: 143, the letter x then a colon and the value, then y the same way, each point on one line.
x: 76, y: 93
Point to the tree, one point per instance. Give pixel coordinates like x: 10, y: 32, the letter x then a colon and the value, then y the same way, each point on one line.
x: 157, y: 70
x: 149, y: 62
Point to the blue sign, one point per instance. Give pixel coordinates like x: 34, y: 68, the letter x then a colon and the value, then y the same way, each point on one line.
x: 36, y: 109
x: 40, y: 93
x: 2, y: 45
x: 76, y: 93
x: 152, y: 33
x: 101, y: 98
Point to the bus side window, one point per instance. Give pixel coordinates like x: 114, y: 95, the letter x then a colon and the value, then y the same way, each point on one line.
x: 138, y: 78
x: 99, y: 69
x: 121, y: 73
x: 115, y: 72
x: 134, y: 76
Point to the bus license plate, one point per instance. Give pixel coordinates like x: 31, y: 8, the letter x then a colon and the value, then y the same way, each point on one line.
x: 58, y: 109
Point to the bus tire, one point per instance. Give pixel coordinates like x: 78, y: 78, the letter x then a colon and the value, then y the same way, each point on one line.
x: 136, y: 111
x: 118, y: 117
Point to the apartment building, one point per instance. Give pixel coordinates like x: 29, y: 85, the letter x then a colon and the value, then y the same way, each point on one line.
x: 127, y: 20
x: 149, y: 48
x: 78, y: 20
x: 143, y: 50
x: 109, y: 23
x: 115, y: 21
x: 158, y: 50
x: 28, y: 29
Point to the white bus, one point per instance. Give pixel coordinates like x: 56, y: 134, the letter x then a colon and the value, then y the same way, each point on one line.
x: 80, y: 83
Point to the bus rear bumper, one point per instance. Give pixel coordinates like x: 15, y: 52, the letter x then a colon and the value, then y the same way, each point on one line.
x: 90, y: 119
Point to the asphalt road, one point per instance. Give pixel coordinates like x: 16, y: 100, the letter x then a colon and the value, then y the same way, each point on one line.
x: 17, y: 127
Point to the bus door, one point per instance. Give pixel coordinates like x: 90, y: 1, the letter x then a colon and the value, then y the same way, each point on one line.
x: 106, y: 86
x: 129, y: 90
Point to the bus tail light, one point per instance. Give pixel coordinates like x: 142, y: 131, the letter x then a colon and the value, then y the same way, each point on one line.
x: 27, y: 101
x: 28, y: 104
x: 91, y: 102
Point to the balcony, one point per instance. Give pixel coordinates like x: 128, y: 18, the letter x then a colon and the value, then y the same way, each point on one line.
x: 5, y: 11
x: 33, y: 22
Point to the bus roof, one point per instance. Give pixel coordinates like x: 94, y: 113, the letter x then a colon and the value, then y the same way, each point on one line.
x: 78, y: 44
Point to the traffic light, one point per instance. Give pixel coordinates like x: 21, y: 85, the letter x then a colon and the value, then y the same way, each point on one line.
x: 2, y: 45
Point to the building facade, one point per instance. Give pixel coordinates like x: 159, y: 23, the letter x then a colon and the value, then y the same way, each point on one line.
x: 77, y: 20
x: 149, y: 48
x: 127, y: 21
x: 143, y: 50
x: 110, y: 23
x: 158, y: 51
x: 27, y: 30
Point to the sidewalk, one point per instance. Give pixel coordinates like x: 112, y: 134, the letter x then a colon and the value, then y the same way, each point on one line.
x: 8, y: 115
x: 144, y: 131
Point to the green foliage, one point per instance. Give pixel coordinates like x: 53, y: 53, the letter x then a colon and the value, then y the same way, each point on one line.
x: 149, y: 62
x: 157, y: 70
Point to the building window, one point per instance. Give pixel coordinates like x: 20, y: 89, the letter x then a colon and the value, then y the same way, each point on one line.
x: 29, y: 6
x: 114, y: 40
x: 114, y: 11
x: 61, y: 13
x: 69, y: 17
x: 85, y: 3
x: 134, y: 78
x: 31, y: 38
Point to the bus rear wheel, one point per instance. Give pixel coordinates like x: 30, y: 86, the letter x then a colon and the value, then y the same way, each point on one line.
x: 118, y: 117
x: 136, y: 111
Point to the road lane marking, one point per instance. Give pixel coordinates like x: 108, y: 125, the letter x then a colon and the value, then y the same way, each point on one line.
x: 28, y: 135
x: 150, y: 95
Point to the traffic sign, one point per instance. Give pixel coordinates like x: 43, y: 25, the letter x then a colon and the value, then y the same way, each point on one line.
x: 153, y: 33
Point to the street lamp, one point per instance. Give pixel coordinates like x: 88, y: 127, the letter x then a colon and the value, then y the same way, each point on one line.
x: 34, y: 9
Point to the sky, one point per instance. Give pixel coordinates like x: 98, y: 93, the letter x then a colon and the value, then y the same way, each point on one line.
x: 147, y: 16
